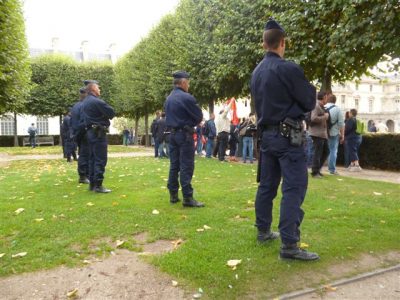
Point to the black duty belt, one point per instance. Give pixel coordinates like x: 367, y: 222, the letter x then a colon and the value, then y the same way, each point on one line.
x: 186, y: 129
x: 269, y: 127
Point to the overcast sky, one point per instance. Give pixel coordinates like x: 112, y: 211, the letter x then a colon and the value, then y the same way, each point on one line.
x: 100, y: 22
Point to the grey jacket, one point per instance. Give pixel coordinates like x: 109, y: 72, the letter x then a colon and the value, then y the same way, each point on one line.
x: 318, y: 126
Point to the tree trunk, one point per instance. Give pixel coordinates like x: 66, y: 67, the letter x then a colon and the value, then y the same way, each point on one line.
x: 211, y: 106
x: 15, y: 131
x: 146, y: 129
x: 327, y: 82
x: 136, y: 129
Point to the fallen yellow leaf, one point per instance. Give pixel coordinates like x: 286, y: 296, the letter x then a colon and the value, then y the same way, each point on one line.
x: 21, y: 254
x: 89, y: 204
x: 206, y: 227
x: 330, y: 288
x: 233, y: 262
x: 177, y: 243
x: 19, y: 210
x: 155, y: 212
x: 200, y: 229
x: 39, y: 220
x: 119, y: 243
x: 73, y: 293
x: 174, y: 283
x: 304, y: 245
x: 2, y: 254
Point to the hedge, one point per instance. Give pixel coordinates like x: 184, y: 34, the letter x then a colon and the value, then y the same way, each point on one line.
x: 8, y: 140
x: 377, y: 151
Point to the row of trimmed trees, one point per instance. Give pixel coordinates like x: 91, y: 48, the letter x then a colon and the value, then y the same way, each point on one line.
x: 217, y: 41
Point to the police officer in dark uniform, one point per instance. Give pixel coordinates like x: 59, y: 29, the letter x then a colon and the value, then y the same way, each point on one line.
x: 66, y: 132
x: 96, y: 115
x: 182, y: 114
x: 282, y: 95
x: 79, y: 136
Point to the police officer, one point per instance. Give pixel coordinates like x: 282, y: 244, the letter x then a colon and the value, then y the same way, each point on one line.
x: 79, y: 136
x: 66, y: 132
x: 182, y: 114
x: 96, y: 115
x: 282, y: 95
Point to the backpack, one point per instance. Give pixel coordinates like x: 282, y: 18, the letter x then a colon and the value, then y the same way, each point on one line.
x: 360, y: 127
x: 206, y: 129
x: 329, y: 121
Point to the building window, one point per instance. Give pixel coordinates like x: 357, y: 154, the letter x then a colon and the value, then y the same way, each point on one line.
x: 356, y: 86
x: 370, y: 87
x: 370, y: 105
x: 356, y: 103
x: 7, y: 125
x: 397, y: 88
x: 42, y: 124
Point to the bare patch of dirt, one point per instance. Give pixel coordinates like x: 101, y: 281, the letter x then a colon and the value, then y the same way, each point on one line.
x: 141, y: 238
x: 122, y: 276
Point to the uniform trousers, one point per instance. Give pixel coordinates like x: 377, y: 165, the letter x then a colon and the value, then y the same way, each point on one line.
x: 281, y: 160
x: 98, y: 156
x: 84, y: 155
x: 181, y: 157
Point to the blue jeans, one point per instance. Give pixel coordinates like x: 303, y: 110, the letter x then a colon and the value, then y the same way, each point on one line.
x: 199, y: 145
x: 333, y: 143
x: 247, y: 148
x: 161, y: 152
x: 209, y: 147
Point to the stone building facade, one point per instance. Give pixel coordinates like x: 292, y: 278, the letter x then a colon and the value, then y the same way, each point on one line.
x: 376, y: 100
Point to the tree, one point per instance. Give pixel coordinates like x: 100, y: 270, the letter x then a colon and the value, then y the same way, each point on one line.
x: 57, y: 79
x: 14, y: 62
x: 339, y: 39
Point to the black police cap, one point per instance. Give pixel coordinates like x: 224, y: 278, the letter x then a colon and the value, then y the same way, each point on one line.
x: 272, y: 24
x: 82, y: 90
x: 181, y: 74
x: 86, y: 82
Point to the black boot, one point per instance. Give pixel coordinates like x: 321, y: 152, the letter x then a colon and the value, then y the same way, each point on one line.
x: 173, y: 198
x: 292, y: 251
x: 266, y: 235
x: 91, y: 186
x: 190, y: 202
x: 83, y: 179
x: 99, y: 188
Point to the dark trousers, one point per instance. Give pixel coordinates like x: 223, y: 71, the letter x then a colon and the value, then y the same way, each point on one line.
x: 223, y: 144
x: 321, y: 153
x: 353, y: 143
x: 280, y: 159
x: 98, y: 156
x: 70, y: 148
x: 156, y: 146
x: 181, y: 157
x: 84, y: 155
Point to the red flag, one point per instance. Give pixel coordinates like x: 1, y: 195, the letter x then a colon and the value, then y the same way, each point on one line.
x: 235, y: 120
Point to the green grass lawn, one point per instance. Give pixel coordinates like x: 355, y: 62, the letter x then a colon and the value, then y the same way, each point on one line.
x: 344, y: 219
x: 58, y: 150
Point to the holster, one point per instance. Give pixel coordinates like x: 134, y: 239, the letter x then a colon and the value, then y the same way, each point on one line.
x: 100, y: 130
x: 293, y: 130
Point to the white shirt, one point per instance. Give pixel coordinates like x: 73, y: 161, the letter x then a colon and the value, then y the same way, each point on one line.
x: 223, y: 122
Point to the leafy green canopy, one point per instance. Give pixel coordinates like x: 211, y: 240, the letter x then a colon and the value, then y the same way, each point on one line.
x: 57, y: 79
x: 14, y: 62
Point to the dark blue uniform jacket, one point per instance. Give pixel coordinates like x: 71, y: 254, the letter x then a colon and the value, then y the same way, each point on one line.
x: 96, y: 111
x: 182, y: 110
x: 279, y: 90
x: 77, y: 124
x: 66, y: 127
